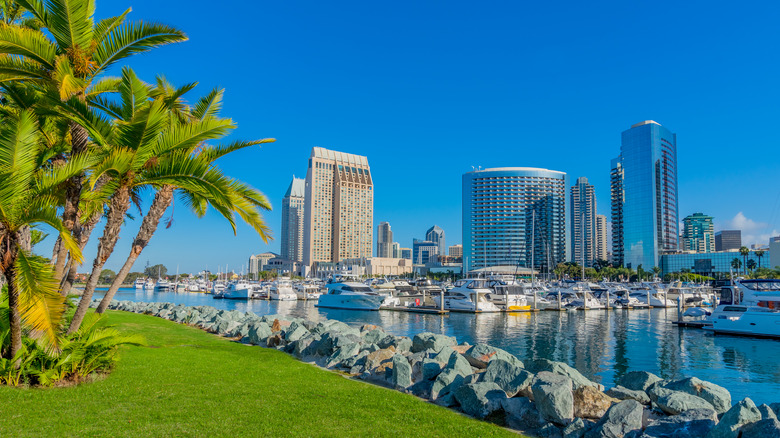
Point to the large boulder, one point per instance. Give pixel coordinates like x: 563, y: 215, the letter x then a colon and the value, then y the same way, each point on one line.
x: 693, y: 423
x: 401, y: 376
x: 638, y: 380
x: 622, y: 393
x: 480, y: 399
x: 294, y: 332
x: 511, y: 378
x: 678, y: 402
x: 399, y: 343
x: 258, y: 333
x: 767, y: 428
x: 343, y: 354
x: 619, y: 420
x: 459, y: 363
x: 375, y: 360
x: 742, y: 413
x: 446, y: 382
x: 767, y: 412
x: 591, y: 403
x: 576, y: 429
x: 565, y: 370
x: 431, y: 341
x: 431, y: 368
x: 521, y: 414
x: 357, y: 360
x: 373, y: 336
x: 480, y: 355
x: 718, y: 396
x: 553, y: 397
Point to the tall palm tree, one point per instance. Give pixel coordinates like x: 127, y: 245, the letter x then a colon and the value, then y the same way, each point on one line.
x: 744, y: 251
x: 27, y: 188
x: 736, y: 264
x: 759, y: 254
x: 66, y: 59
x: 751, y: 264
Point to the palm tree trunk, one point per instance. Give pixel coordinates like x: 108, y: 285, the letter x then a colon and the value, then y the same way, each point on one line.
x: 86, y: 230
x: 148, y: 226
x: 12, y: 244
x: 120, y: 203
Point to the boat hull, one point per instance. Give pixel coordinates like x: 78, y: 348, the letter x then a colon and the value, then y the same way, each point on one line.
x: 350, y: 302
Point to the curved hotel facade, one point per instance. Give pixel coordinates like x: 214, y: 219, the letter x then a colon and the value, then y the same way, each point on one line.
x: 507, y: 209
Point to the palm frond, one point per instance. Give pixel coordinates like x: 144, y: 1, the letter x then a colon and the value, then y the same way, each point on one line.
x: 29, y: 43
x: 103, y: 27
x: 68, y: 82
x: 143, y: 128
x: 37, y: 8
x: 208, y: 105
x: 104, y: 85
x: 16, y: 68
x: 212, y: 153
x: 186, y: 136
x: 70, y: 22
x: 134, y: 93
x: 40, y: 304
x: 131, y: 38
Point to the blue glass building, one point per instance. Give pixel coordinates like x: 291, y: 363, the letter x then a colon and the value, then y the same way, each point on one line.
x: 712, y: 264
x: 506, y: 209
x: 644, y: 196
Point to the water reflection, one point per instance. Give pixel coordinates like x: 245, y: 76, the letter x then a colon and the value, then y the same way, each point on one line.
x: 601, y: 344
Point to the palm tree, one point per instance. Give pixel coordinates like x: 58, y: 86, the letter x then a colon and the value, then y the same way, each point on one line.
x: 759, y: 254
x: 751, y: 264
x: 66, y: 59
x: 736, y: 264
x: 26, y: 198
x: 745, y: 252
x: 656, y: 270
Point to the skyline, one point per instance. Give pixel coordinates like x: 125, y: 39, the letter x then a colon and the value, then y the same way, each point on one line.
x: 426, y: 93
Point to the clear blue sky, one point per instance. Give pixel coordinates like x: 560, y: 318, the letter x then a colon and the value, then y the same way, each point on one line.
x: 428, y: 89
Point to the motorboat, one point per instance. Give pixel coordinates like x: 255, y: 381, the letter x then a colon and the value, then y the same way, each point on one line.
x: 307, y: 291
x: 217, y: 288
x: 139, y: 283
x: 350, y: 295
x: 748, y: 307
x: 514, y: 297
x: 468, y: 296
x: 238, y: 290
x: 282, y: 290
x: 163, y: 285
x: 690, y: 296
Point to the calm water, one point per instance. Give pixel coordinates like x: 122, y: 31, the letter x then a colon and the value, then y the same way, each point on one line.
x: 602, y: 345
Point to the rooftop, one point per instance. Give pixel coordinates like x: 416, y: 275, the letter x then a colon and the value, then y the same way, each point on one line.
x: 318, y: 152
x: 297, y: 188
x: 517, y: 169
x: 646, y: 122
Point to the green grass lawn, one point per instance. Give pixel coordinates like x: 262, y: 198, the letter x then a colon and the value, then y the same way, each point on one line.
x: 187, y: 382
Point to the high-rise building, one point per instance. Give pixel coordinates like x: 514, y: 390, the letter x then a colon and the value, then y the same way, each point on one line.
x: 339, y: 211
x: 396, y: 250
x: 406, y: 253
x: 727, y: 240
x: 510, y: 213
x: 259, y: 262
x: 423, y: 251
x: 384, y: 240
x: 698, y: 233
x: 293, y: 205
x: 436, y: 234
x: 602, y: 237
x: 645, y: 221
x: 456, y: 251
x: 583, y: 222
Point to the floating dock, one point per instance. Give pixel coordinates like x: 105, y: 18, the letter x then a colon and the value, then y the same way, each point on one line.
x: 416, y: 309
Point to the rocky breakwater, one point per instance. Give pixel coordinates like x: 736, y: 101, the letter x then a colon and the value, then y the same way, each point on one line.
x: 542, y: 398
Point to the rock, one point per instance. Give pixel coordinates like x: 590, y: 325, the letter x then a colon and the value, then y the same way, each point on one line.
x: 521, y: 414
x: 294, y: 332
x: 565, y: 370
x: 431, y: 341
x: 678, y: 402
x: 693, y: 423
x: 369, y: 327
x: 619, y: 420
x: 622, y: 393
x: 459, y: 364
x: 343, y: 354
x: 446, y: 400
x: 402, y: 372
x: 447, y: 381
x: 276, y: 326
x: 553, y: 397
x: 355, y: 361
x: 399, y: 343
x: 549, y: 430
x: 742, y: 413
x: 638, y: 380
x: 480, y: 399
x: 274, y: 341
x: 767, y: 428
x: 258, y: 333
x: 718, y: 396
x: 776, y: 408
x: 591, y: 403
x: 301, y: 346
x: 576, y: 429
x: 422, y: 389
x: 373, y: 336
x: 511, y: 378
x: 657, y: 390
x: 375, y: 359
x: 430, y: 369
x: 479, y: 355
x: 767, y: 412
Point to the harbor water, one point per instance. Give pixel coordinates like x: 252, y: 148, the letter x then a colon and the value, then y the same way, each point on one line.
x: 603, y: 345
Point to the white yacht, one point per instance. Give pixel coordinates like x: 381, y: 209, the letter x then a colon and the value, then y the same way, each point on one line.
x: 162, y: 285
x: 350, y: 295
x: 468, y: 296
x: 514, y: 297
x: 307, y: 291
x: 282, y: 290
x: 749, y: 307
x: 218, y: 287
x: 139, y: 283
x: 238, y: 290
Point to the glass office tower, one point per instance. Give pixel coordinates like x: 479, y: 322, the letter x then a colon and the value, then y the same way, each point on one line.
x: 646, y: 194
x: 507, y: 209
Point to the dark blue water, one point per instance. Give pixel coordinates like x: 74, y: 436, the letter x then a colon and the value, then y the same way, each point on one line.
x: 603, y: 345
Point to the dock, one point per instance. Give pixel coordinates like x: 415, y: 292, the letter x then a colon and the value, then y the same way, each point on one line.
x: 416, y: 309
x: 692, y: 324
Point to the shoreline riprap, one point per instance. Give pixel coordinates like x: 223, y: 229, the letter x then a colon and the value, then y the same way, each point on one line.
x: 542, y: 398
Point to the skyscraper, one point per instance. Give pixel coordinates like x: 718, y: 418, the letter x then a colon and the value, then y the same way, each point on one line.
x: 456, y: 251
x: 507, y: 209
x: 644, y: 195
x: 293, y: 205
x: 436, y: 234
x: 397, y: 250
x: 583, y: 222
x: 726, y: 240
x: 339, y: 207
x: 423, y: 250
x: 384, y: 240
x: 602, y: 237
x: 698, y: 233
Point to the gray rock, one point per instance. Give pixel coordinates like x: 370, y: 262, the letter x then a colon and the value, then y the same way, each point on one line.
x: 480, y: 355
x: 768, y: 428
x: 402, y: 372
x: 718, y: 396
x: 694, y: 423
x: 447, y: 400
x: 549, y: 430
x: 657, y: 390
x: 422, y: 389
x: 742, y: 413
x: 370, y: 348
x: 356, y: 360
x: 430, y: 369
x: 621, y: 419
x: 638, y: 380
x: 576, y: 429
x: 553, y: 397
x: 431, y: 341
x: 400, y: 343
x: 767, y: 412
x: 258, y: 333
x: 678, y: 402
x: 342, y: 354
x: 511, y: 378
x: 480, y: 399
x: 521, y: 414
x: 776, y: 408
x: 565, y: 370
x: 294, y: 332
x: 447, y: 381
x: 622, y: 393
x: 459, y: 364
x: 373, y: 336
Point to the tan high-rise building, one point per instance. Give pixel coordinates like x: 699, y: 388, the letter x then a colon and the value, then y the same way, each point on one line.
x: 384, y: 240
x: 293, y: 205
x: 602, y: 237
x: 339, y: 212
x: 456, y: 251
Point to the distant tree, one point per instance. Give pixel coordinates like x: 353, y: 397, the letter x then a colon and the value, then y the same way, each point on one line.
x: 736, y: 264
x: 133, y: 276
x: 156, y: 271
x: 656, y: 270
x: 745, y: 252
x: 107, y: 276
x: 759, y: 254
x: 751, y: 264
x: 600, y: 264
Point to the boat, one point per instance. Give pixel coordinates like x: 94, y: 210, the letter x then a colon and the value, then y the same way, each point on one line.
x: 350, y: 295
x: 282, y: 290
x: 139, y: 283
x: 468, y: 295
x: 307, y: 290
x: 162, y: 285
x: 749, y: 308
x: 238, y: 290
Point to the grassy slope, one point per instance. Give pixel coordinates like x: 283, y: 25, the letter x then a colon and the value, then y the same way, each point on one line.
x: 191, y: 383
